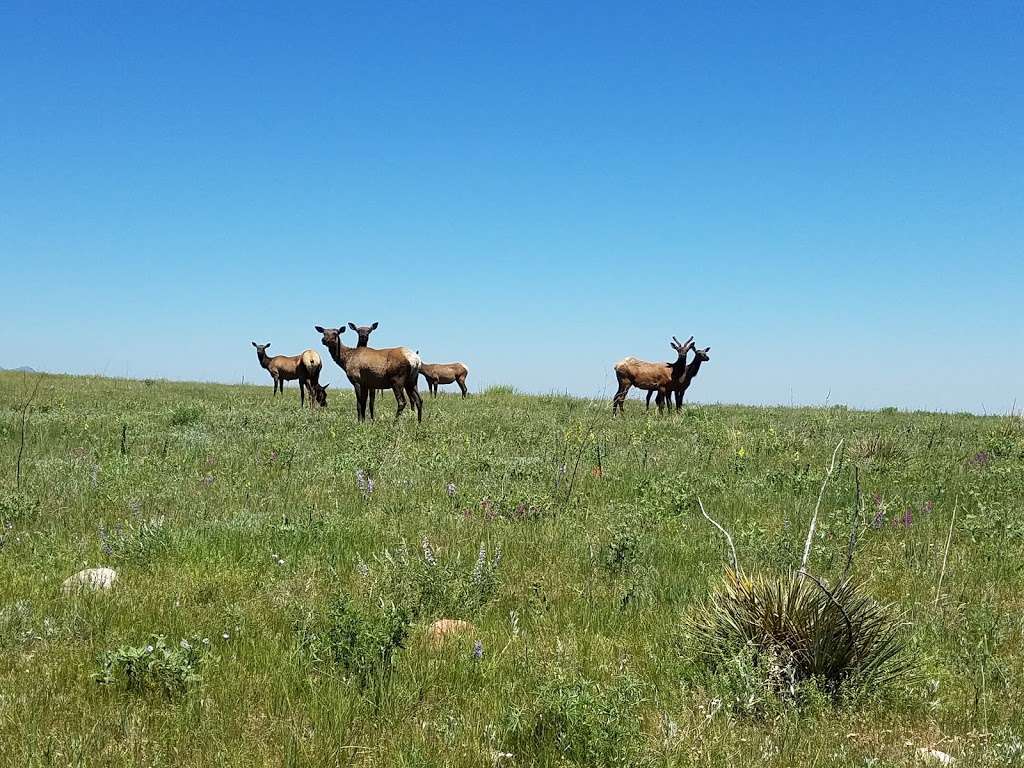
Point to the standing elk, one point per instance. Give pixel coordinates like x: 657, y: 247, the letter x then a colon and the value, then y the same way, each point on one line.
x: 699, y: 356
x: 445, y: 373
x: 363, y: 333
x: 395, y: 368
x: 305, y: 367
x: 654, y: 377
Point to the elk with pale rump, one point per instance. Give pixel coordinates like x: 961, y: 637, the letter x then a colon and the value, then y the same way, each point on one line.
x: 660, y: 378
x: 305, y: 367
x: 445, y: 373
x: 395, y: 368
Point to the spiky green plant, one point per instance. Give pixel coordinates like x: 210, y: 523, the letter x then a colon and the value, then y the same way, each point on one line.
x: 828, y: 636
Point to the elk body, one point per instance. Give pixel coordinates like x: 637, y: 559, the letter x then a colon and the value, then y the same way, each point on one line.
x: 363, y: 334
x: 660, y: 378
x: 445, y: 373
x: 305, y: 367
x: 395, y: 368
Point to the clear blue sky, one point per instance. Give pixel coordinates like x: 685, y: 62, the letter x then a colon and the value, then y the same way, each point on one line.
x: 831, y: 196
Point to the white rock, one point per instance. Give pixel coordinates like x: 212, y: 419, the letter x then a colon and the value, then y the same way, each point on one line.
x: 935, y: 757
x: 92, y: 579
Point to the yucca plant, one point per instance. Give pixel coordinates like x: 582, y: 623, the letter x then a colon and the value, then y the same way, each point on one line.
x: 829, y: 637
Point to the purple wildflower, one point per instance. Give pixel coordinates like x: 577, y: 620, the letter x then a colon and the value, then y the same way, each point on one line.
x: 478, y: 651
x: 450, y: 489
x: 982, y: 459
x: 364, y: 483
x: 208, y: 480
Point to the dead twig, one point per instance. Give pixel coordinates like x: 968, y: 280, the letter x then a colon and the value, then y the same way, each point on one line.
x: 945, y: 554
x: 735, y: 561
x: 817, y: 507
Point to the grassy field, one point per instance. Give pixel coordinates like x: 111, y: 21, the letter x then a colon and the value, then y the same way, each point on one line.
x: 285, y: 567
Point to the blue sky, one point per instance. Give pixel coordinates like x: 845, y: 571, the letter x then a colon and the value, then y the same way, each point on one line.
x: 830, y: 196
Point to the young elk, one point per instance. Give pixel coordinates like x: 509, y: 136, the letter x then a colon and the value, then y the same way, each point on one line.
x: 654, y: 377
x: 699, y: 356
x: 445, y: 373
x: 305, y: 367
x: 395, y: 368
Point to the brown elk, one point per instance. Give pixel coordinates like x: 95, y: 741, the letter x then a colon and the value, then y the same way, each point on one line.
x: 657, y: 378
x: 305, y: 367
x: 445, y: 373
x: 395, y: 368
x: 363, y: 332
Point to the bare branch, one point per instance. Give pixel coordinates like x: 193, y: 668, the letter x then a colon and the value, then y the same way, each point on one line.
x: 945, y: 554
x: 735, y: 562
x: 817, y: 507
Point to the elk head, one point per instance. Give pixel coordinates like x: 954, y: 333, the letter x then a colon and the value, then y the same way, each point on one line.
x: 320, y: 395
x: 702, y: 354
x: 331, y: 336
x: 682, y: 349
x: 261, y: 350
x: 363, y: 332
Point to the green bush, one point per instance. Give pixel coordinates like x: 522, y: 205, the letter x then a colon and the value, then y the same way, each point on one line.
x: 363, y: 643
x: 155, y: 666
x: 582, y: 721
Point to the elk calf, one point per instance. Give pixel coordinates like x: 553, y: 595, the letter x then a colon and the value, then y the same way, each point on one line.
x: 654, y: 377
x: 445, y: 373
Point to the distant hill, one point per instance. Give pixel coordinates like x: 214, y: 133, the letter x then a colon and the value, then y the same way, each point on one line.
x: 22, y: 369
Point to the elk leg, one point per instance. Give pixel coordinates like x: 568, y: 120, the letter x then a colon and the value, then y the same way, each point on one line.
x: 462, y: 385
x: 415, y: 399
x: 679, y: 400
x: 302, y: 393
x: 649, y: 393
x: 620, y: 396
x: 372, y: 397
x: 400, y: 399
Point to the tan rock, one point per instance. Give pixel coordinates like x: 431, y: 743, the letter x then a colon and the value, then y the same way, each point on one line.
x: 444, y: 629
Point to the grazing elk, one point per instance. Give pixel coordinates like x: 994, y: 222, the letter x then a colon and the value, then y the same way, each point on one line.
x: 305, y: 367
x: 654, y: 377
x: 445, y: 373
x: 396, y: 368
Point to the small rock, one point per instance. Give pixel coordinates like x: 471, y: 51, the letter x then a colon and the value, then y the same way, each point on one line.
x: 935, y: 757
x: 92, y: 579
x: 442, y: 629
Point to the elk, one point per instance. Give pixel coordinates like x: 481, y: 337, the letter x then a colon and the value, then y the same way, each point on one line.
x: 445, y: 373
x: 395, y: 368
x: 363, y: 332
x: 699, y: 356
x: 654, y: 377
x: 305, y: 367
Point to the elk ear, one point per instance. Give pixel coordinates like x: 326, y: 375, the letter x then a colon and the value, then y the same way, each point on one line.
x: 267, y: 345
x: 253, y: 343
x: 353, y: 326
x: 319, y: 328
x: 341, y: 329
x: 373, y: 327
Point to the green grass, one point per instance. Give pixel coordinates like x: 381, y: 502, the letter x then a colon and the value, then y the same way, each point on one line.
x: 237, y: 518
